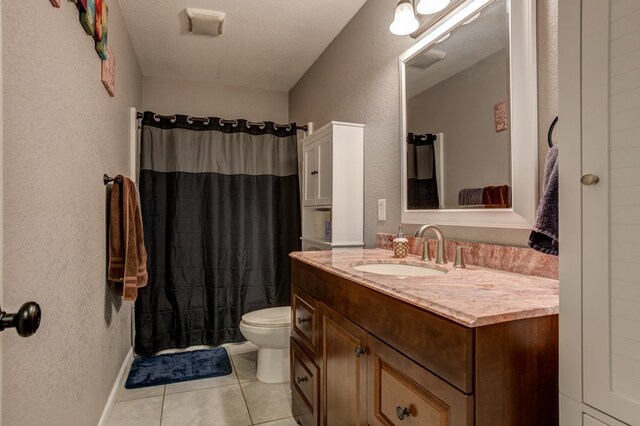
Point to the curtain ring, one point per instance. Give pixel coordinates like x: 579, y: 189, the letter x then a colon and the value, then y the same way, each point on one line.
x: 204, y: 120
x: 260, y: 125
x: 234, y: 123
x: 277, y: 126
x: 157, y: 117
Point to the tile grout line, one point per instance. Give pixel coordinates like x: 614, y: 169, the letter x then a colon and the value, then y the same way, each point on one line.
x: 164, y: 392
x: 235, y: 370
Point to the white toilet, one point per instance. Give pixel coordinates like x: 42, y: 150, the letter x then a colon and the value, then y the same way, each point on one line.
x: 270, y: 329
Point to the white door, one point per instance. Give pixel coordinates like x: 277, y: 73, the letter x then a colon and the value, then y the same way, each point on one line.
x: 325, y: 170
x: 1, y: 199
x: 309, y: 176
x: 611, y: 207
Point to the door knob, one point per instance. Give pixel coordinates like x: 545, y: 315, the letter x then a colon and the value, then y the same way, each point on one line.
x: 359, y: 352
x: 26, y: 320
x: 402, y: 412
x: 589, y: 179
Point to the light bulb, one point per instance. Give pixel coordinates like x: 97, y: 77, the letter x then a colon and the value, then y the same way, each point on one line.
x: 405, y: 21
x: 427, y: 7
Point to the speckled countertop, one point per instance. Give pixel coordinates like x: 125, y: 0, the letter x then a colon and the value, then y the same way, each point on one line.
x: 472, y: 297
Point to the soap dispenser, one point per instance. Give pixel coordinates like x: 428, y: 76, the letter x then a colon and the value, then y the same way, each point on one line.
x: 400, y: 244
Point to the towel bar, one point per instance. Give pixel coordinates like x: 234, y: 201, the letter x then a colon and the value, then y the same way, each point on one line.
x: 106, y: 179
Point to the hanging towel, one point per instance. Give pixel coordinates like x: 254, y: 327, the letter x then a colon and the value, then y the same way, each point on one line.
x: 425, y: 161
x: 127, y: 255
x: 496, y: 196
x: 544, y: 236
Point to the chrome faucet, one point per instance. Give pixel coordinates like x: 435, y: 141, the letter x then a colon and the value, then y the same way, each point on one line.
x: 440, y: 256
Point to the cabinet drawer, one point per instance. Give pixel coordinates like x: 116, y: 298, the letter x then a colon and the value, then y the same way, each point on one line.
x: 305, y: 390
x: 304, y: 322
x: 401, y: 392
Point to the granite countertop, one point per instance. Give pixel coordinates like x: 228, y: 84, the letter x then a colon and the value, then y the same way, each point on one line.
x: 472, y: 297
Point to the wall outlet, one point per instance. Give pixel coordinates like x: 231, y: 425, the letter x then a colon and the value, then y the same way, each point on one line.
x: 382, y: 209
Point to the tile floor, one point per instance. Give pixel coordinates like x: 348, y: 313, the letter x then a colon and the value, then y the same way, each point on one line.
x: 234, y: 400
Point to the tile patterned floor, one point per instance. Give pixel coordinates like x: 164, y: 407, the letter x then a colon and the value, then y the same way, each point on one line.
x: 234, y: 400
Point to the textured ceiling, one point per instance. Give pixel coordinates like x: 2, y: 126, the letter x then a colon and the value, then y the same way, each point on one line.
x: 266, y: 44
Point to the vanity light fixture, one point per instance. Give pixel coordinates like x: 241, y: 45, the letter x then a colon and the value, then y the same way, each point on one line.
x: 473, y: 18
x: 428, y: 7
x: 404, y: 22
x: 446, y: 36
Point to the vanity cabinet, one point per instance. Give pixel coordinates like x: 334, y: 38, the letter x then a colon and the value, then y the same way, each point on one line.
x: 332, y: 186
x: 382, y: 361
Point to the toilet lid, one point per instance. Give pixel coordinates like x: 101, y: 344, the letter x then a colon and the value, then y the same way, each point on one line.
x: 269, y: 317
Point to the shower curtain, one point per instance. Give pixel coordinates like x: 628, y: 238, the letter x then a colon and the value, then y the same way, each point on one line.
x: 221, y: 213
x: 422, y: 184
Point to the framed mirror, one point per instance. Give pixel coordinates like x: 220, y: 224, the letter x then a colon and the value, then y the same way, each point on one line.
x: 469, y: 118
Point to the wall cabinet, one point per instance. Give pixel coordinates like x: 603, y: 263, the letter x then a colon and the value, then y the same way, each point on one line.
x: 332, y: 186
x: 385, y: 362
x: 600, y: 220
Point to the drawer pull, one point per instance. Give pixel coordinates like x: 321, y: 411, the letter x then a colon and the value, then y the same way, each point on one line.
x: 402, y: 412
x: 303, y: 320
x: 301, y: 379
x: 359, y: 352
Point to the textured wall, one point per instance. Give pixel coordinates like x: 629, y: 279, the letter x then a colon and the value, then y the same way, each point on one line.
x: 356, y: 79
x: 61, y: 133
x: 475, y: 155
x: 210, y: 99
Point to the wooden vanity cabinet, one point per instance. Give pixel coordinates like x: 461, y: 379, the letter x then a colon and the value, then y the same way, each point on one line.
x: 385, y: 362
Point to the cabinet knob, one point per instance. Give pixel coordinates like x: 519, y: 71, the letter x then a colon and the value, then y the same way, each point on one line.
x: 589, y: 179
x: 303, y: 320
x: 402, y: 412
x: 359, y: 352
x: 301, y: 379
x: 298, y: 422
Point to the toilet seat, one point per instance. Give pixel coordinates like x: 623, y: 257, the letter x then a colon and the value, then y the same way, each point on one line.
x: 270, y: 317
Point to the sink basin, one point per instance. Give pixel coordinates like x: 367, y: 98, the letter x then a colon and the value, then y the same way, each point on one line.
x: 398, y: 269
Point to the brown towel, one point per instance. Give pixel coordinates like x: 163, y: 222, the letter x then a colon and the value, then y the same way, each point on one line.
x: 127, y: 255
x: 496, y: 196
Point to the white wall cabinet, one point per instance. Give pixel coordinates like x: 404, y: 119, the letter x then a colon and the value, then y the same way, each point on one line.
x: 600, y: 222
x: 317, y: 170
x: 332, y: 186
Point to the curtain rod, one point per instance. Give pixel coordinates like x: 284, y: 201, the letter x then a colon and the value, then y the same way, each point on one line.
x: 304, y: 128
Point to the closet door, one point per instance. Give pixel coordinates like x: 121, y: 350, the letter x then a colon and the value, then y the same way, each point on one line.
x: 325, y: 170
x: 611, y: 206
x: 310, y: 171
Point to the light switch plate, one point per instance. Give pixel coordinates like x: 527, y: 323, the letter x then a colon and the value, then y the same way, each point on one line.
x: 382, y: 209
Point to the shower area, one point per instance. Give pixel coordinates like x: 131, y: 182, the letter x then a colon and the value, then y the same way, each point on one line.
x: 220, y: 209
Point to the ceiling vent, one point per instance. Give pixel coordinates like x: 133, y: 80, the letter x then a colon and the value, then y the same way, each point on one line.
x: 427, y: 59
x: 205, y: 22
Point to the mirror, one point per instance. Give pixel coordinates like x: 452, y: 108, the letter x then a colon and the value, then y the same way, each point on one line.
x: 469, y: 122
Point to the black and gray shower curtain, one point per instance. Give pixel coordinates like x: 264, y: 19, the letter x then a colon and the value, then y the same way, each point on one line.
x: 221, y: 213
x: 422, y: 183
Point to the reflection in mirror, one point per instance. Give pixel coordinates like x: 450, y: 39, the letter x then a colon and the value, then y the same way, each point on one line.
x: 457, y: 99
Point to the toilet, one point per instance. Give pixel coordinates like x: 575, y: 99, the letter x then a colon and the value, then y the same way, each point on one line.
x: 270, y: 329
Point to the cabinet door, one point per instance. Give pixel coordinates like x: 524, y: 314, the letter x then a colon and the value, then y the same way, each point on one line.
x: 401, y: 392
x: 310, y: 176
x: 325, y: 170
x: 611, y: 208
x: 343, y: 370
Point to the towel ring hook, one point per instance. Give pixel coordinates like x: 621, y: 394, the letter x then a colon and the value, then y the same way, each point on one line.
x: 550, y: 133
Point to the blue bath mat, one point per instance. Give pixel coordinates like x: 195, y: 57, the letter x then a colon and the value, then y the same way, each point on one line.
x: 179, y: 367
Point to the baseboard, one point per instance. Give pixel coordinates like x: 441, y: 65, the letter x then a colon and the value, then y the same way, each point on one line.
x: 106, y: 412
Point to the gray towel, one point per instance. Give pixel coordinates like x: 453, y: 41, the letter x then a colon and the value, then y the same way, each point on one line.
x: 544, y: 236
x: 470, y: 197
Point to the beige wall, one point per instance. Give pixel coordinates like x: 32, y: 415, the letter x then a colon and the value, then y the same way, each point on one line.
x: 356, y: 79
x: 475, y: 155
x: 211, y: 99
x: 61, y: 133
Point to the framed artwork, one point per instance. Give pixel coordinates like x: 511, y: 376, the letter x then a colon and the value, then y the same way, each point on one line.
x: 87, y: 15
x: 109, y: 72
x: 101, y: 29
x: 55, y: 3
x: 500, y: 111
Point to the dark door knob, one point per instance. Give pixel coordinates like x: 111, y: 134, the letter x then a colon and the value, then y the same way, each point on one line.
x: 402, y: 412
x: 26, y: 320
x: 359, y: 352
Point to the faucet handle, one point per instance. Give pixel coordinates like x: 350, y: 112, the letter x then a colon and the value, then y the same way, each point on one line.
x: 459, y: 262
